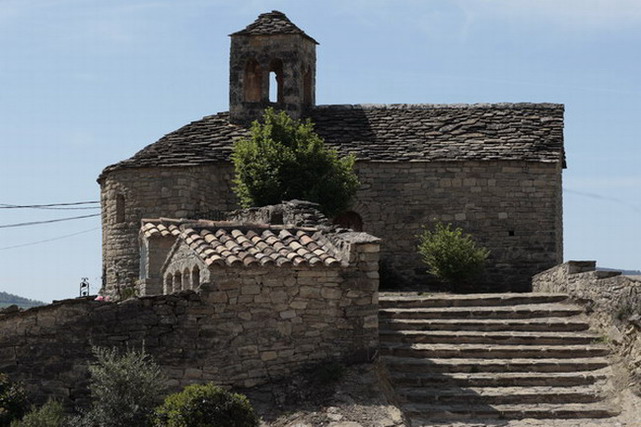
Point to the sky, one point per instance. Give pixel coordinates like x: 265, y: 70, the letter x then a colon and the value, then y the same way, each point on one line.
x: 87, y: 83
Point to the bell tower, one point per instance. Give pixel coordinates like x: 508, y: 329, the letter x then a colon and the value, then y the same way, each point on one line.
x: 272, y: 63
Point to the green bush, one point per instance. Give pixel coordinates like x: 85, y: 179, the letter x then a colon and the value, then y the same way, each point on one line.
x: 284, y: 159
x: 51, y: 414
x: 13, y: 401
x: 125, y: 389
x: 328, y: 373
x: 204, y: 406
x: 452, y: 256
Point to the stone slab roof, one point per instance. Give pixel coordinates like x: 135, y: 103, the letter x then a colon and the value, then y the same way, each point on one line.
x: 400, y: 132
x: 271, y: 23
x: 233, y: 244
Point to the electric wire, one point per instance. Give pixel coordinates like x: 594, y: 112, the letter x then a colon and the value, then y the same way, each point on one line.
x: 24, y: 224
x: 48, y: 240
x: 51, y: 205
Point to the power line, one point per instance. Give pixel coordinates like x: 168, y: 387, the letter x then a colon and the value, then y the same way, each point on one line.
x: 51, y: 205
x: 48, y: 240
x: 601, y: 197
x: 23, y: 224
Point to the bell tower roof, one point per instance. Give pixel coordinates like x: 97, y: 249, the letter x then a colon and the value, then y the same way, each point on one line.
x: 271, y: 23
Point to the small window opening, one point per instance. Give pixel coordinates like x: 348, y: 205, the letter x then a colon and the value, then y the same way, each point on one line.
x: 307, y: 87
x: 276, y: 81
x: 510, y: 232
x: 350, y: 219
x: 195, y: 278
x: 253, y: 81
x: 177, y: 282
x: 120, y: 208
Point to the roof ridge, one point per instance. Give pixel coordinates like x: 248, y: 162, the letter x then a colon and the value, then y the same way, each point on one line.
x: 427, y: 106
x: 270, y: 23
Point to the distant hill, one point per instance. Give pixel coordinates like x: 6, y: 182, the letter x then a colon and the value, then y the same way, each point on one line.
x: 624, y: 272
x: 7, y: 299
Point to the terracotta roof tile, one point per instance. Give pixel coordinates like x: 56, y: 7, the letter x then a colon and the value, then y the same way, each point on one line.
x: 160, y: 227
x: 234, y: 244
x: 424, y: 132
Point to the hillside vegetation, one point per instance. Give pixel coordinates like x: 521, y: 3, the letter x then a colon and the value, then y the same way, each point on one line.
x: 7, y: 299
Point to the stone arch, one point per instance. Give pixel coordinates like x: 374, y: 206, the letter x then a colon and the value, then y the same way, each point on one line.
x: 169, y: 284
x: 186, y: 279
x: 253, y: 82
x: 349, y: 219
x: 276, y: 74
x: 177, y: 282
x: 195, y: 277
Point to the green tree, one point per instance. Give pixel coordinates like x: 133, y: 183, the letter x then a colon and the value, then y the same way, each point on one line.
x: 125, y: 389
x: 13, y: 401
x: 285, y: 159
x: 452, y: 255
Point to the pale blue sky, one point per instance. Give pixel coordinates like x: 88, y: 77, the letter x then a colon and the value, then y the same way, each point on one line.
x: 86, y: 83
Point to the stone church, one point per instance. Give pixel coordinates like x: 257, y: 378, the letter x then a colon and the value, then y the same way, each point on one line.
x: 493, y: 169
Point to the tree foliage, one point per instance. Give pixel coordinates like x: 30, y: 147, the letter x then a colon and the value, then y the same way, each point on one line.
x: 13, y: 400
x: 51, y: 414
x: 285, y: 159
x: 206, y: 405
x: 125, y: 389
x: 452, y: 255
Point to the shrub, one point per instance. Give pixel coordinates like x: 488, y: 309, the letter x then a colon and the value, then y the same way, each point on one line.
x: 451, y: 255
x: 284, y: 159
x: 51, y: 414
x: 328, y: 373
x: 125, y: 389
x: 13, y: 400
x: 204, y: 406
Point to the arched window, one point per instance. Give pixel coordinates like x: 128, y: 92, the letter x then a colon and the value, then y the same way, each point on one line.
x: 350, y: 219
x: 307, y: 87
x: 169, y: 284
x: 177, y: 282
x: 120, y: 208
x: 276, y: 81
x: 195, y: 278
x: 253, y: 82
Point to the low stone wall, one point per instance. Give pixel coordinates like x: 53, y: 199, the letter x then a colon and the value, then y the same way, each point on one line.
x: 612, y: 300
x: 239, y: 334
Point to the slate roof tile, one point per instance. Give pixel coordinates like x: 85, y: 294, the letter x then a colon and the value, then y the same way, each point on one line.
x: 271, y: 23
x: 399, y: 132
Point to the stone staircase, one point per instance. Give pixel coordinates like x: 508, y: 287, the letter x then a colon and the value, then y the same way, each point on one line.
x: 456, y: 358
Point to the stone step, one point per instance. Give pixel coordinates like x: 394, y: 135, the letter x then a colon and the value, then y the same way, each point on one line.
x: 415, y: 299
x: 501, y: 395
x: 477, y: 365
x: 551, y: 324
x: 487, y: 351
x: 527, y: 311
x: 429, y: 415
x: 497, y: 379
x: 482, y: 337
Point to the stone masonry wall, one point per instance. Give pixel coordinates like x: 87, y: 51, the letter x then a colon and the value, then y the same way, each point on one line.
x: 512, y: 208
x: 612, y: 300
x: 176, y: 192
x: 243, y: 330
